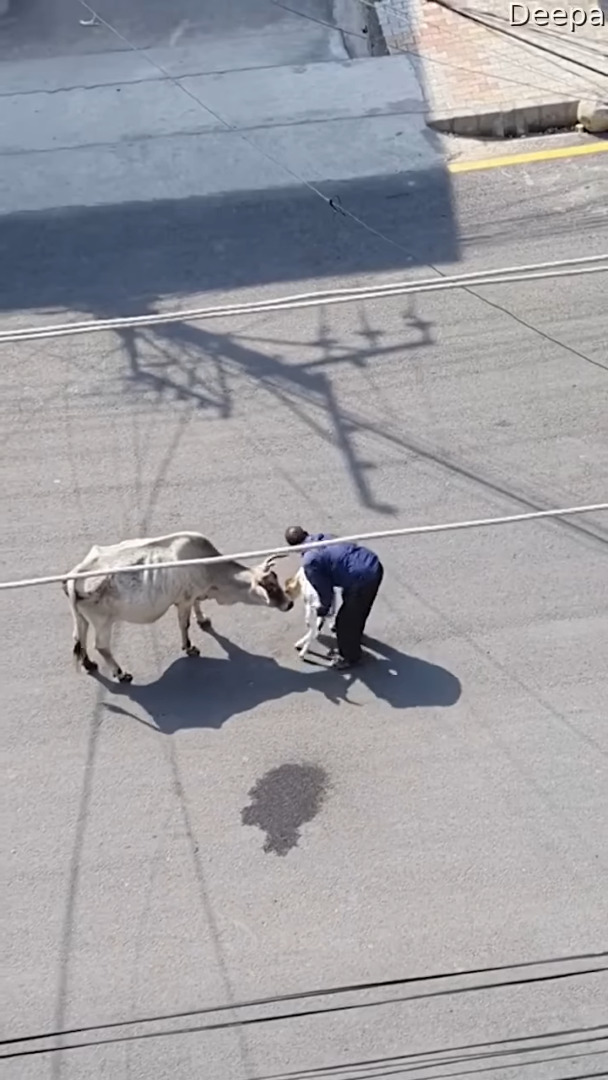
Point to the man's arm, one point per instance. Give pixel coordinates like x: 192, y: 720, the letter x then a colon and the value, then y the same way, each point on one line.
x: 317, y: 576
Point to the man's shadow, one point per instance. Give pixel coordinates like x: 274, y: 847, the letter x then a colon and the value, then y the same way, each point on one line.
x: 405, y: 681
x: 206, y: 691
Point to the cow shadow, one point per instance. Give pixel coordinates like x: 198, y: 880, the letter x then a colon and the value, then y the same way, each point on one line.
x: 207, y: 691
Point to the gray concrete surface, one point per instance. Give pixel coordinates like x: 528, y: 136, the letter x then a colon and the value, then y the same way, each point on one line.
x: 451, y: 802
x: 35, y: 29
x: 121, y: 131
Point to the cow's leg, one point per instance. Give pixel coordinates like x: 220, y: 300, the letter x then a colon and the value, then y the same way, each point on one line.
x: 103, y: 636
x: 183, y: 619
x: 203, y: 620
x: 81, y: 630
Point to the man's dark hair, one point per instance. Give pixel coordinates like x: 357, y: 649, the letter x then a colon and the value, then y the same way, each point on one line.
x: 295, y: 535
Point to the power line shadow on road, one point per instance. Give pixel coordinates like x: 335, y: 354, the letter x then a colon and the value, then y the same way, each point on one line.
x: 124, y: 259
x: 205, y: 368
x: 201, y: 366
x: 308, y: 391
x: 206, y: 692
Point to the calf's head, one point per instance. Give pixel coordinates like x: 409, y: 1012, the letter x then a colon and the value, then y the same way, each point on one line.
x: 293, y: 587
x: 267, y: 588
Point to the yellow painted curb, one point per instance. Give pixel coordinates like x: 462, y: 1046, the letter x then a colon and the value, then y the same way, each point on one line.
x: 532, y: 155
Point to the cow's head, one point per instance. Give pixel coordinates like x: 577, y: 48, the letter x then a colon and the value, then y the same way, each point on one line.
x: 267, y: 586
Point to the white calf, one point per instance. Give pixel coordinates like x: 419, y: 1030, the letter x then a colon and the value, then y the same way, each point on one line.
x: 299, y: 585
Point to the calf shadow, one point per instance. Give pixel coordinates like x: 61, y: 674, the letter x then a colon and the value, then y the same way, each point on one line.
x: 206, y: 691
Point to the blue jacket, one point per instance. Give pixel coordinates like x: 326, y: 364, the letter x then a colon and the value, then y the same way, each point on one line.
x: 339, y: 566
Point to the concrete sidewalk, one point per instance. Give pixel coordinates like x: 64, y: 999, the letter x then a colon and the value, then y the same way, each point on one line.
x: 262, y: 31
x: 482, y: 76
x: 111, y: 129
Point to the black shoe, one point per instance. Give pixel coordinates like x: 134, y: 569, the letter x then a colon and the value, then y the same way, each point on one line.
x: 340, y: 664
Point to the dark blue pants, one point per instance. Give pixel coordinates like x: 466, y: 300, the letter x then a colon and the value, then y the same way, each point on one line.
x: 357, y: 602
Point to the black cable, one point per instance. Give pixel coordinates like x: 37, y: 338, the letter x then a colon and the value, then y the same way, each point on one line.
x: 401, y: 1069
x: 536, y: 330
x: 347, y: 988
x: 473, y: 17
x: 427, y: 1059
x: 276, y: 1018
x: 335, y: 204
x: 547, y: 32
x: 404, y: 51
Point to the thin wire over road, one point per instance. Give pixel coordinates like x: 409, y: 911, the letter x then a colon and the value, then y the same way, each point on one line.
x: 328, y: 992
x: 589, y: 264
x: 383, y: 534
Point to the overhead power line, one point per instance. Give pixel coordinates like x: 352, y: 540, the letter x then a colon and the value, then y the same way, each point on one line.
x: 292, y: 1015
x: 384, y: 534
x: 301, y: 1014
x: 331, y: 991
x: 589, y: 264
x: 427, y: 58
x: 333, y: 203
x: 475, y: 17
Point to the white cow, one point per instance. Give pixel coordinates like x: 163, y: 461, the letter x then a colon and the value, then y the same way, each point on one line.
x: 145, y: 596
x: 299, y: 585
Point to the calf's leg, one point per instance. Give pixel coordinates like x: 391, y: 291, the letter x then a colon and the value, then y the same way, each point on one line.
x: 312, y: 623
x: 304, y: 642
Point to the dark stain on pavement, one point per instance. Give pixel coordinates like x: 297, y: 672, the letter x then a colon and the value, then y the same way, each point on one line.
x: 282, y: 801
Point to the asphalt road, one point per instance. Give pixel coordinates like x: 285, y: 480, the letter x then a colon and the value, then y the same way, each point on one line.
x: 244, y: 826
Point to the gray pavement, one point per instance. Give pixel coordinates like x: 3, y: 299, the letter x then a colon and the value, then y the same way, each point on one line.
x: 35, y: 29
x: 242, y: 825
x: 119, y: 129
x: 461, y: 807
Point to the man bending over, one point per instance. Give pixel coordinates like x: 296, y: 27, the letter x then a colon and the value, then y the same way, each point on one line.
x: 355, y: 570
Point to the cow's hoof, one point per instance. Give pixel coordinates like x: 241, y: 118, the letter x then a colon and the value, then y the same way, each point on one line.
x: 124, y: 676
x: 89, y: 665
x: 204, y: 624
x: 192, y: 651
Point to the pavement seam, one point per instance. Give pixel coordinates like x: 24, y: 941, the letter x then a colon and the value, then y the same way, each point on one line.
x: 223, y: 131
